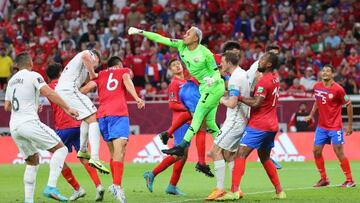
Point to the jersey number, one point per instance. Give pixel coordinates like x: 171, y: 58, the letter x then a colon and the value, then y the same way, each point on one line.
x: 276, y: 95
x: 15, y: 102
x: 112, y: 83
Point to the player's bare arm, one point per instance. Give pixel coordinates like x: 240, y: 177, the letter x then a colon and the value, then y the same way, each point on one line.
x: 47, y: 92
x: 230, y: 102
x: 253, y: 102
x: 129, y: 85
x: 89, y: 63
x: 349, y: 109
x: 90, y: 86
x: 7, y: 106
x: 312, y: 113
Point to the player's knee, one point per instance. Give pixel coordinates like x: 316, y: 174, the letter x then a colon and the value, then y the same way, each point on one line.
x: 33, y: 160
x: 317, y: 152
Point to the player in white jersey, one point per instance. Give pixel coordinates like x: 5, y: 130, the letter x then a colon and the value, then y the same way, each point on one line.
x: 28, y: 132
x: 72, y: 78
x: 227, y: 141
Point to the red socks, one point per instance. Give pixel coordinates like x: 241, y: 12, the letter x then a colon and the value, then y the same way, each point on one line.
x: 272, y: 173
x: 118, y: 169
x: 164, y: 164
x: 345, y: 166
x: 70, y: 178
x: 200, y: 145
x: 237, y: 173
x: 179, y: 121
x: 93, y: 174
x: 320, y: 165
x: 178, y: 167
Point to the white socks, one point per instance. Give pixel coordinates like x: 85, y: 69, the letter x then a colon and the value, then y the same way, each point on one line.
x: 84, y: 130
x: 231, y: 167
x: 29, y: 182
x: 56, y: 165
x: 220, y: 174
x: 94, y: 139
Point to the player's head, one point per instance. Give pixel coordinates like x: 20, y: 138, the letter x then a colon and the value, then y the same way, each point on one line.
x: 268, y: 62
x: 175, y: 66
x: 97, y: 56
x: 273, y: 48
x: 114, y: 61
x: 53, y: 71
x: 327, y: 73
x: 230, y: 46
x: 229, y: 60
x: 303, y: 107
x: 24, y: 61
x: 192, y: 36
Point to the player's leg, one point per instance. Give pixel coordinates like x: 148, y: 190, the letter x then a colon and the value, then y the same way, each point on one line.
x: 210, y: 120
x: 264, y: 155
x: 200, y: 144
x: 337, y: 139
x: 32, y: 166
x: 84, y: 138
x: 219, y: 167
x: 175, y: 176
x: 321, y: 138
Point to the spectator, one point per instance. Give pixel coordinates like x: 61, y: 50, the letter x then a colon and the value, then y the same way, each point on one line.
x: 308, y: 80
x: 297, y: 122
x: 5, y: 67
x: 68, y: 53
x: 163, y: 92
x: 153, y: 72
x: 296, y: 88
x: 354, y: 58
x: 148, y: 93
x: 333, y: 39
x: 133, y: 17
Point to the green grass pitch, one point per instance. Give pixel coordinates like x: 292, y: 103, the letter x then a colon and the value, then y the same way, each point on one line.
x: 296, y: 178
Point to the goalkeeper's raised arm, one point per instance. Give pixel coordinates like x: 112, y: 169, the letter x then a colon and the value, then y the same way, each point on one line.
x: 176, y: 43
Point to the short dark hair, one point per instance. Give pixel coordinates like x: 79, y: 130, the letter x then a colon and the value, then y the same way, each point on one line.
x: 230, y: 45
x: 273, y: 58
x: 114, y: 61
x: 53, y: 71
x: 97, y: 53
x: 232, y: 57
x: 172, y: 61
x: 333, y: 70
x: 22, y: 59
x: 271, y: 47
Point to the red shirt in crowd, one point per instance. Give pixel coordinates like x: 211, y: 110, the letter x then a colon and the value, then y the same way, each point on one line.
x: 139, y: 63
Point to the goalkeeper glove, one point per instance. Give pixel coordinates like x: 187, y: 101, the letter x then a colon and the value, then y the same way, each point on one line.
x: 134, y: 31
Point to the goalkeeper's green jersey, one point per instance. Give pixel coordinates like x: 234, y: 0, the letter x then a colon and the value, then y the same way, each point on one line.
x: 200, y: 62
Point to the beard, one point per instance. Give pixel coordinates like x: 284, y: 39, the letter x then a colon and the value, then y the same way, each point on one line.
x: 261, y: 70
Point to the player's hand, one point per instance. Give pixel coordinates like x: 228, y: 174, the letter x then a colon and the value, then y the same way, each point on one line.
x: 72, y: 112
x: 140, y: 103
x: 134, y: 31
x: 222, y: 100
x: 308, y: 118
x: 349, y: 131
x: 209, y: 81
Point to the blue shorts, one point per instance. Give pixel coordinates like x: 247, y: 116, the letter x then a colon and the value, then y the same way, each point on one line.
x: 257, y: 139
x: 70, y: 137
x: 323, y: 137
x: 114, y: 127
x: 180, y: 133
x: 189, y: 95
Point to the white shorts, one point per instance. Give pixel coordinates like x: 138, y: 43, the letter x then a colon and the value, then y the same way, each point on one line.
x: 33, y: 135
x: 230, y: 135
x: 78, y: 101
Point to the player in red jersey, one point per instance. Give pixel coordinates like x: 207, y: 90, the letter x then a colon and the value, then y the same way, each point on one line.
x: 261, y: 129
x: 68, y: 130
x: 113, y: 116
x: 329, y: 99
x: 178, y: 109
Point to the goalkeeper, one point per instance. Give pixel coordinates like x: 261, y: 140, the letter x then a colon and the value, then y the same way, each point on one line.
x: 201, y: 64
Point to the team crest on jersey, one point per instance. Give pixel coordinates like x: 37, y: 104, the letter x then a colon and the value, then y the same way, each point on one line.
x: 196, y: 59
x: 346, y: 98
x: 331, y: 96
x: 172, y: 95
x: 40, y: 80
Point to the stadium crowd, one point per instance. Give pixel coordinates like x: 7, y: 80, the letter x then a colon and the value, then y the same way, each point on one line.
x: 310, y: 33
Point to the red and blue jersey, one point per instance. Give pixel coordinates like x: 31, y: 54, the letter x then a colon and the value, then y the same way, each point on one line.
x: 112, y: 92
x: 264, y: 117
x: 329, y: 101
x: 61, y: 119
x: 175, y: 103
